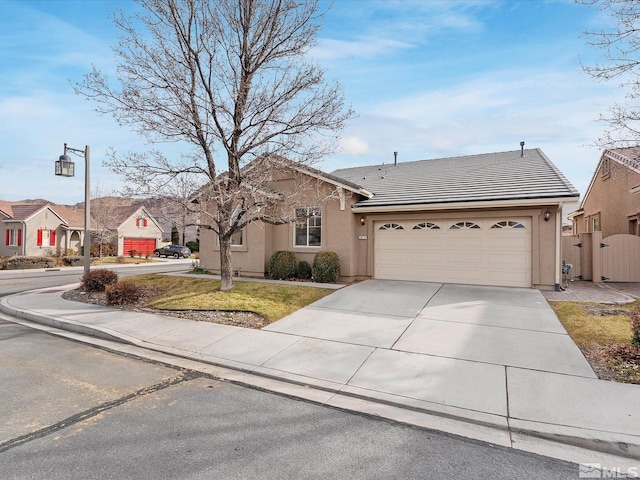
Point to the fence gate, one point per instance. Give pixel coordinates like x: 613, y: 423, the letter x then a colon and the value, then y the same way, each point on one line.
x: 620, y: 258
x: 571, y: 253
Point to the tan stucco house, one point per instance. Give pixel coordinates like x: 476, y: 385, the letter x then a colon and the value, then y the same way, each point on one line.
x: 490, y: 219
x: 43, y: 229
x: 610, y: 204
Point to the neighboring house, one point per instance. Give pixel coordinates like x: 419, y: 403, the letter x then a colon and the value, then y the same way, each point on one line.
x: 40, y: 229
x: 610, y: 204
x: 491, y: 219
x: 46, y: 229
x: 135, y: 230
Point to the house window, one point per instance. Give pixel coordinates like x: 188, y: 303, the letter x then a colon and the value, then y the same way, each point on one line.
x: 596, y: 224
x: 308, y: 231
x: 14, y: 237
x: 606, y: 167
x: 141, y: 222
x: 237, y: 239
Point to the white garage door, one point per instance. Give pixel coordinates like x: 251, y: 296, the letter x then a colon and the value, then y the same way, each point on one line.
x: 474, y: 251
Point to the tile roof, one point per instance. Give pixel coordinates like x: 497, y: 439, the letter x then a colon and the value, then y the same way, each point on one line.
x: 72, y: 216
x: 629, y: 157
x: 473, y: 178
x: 22, y: 211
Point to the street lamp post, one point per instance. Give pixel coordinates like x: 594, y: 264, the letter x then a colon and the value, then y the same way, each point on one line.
x: 66, y: 168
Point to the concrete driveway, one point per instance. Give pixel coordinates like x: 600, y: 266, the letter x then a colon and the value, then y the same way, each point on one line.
x: 495, y: 326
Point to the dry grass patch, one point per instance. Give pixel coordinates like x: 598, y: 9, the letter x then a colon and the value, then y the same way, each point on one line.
x: 121, y: 260
x: 603, y: 334
x: 272, y: 301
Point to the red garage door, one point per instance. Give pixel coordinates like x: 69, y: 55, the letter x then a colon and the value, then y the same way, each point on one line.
x: 141, y: 246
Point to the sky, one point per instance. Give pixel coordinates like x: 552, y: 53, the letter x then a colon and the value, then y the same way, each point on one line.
x: 427, y: 79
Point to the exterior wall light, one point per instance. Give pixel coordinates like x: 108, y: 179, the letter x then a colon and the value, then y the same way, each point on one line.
x: 547, y: 215
x: 361, y: 220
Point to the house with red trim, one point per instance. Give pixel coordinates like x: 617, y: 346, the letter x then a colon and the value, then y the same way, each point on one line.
x: 43, y: 229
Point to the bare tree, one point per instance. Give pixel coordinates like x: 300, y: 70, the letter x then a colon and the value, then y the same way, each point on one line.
x: 232, y: 79
x: 621, y: 62
x: 103, y: 214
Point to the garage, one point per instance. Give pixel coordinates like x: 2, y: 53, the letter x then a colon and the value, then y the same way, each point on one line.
x: 478, y: 251
x: 141, y: 246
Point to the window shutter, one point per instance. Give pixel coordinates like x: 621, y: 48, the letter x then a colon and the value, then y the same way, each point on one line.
x: 144, y: 222
x: 39, y: 237
x: 52, y: 239
x: 7, y: 237
x: 137, y: 222
x: 19, y: 237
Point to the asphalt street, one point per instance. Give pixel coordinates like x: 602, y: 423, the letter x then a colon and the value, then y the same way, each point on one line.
x: 71, y: 411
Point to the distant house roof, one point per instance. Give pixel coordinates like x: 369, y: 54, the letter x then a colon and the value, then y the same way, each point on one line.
x: 474, y: 178
x: 628, y: 157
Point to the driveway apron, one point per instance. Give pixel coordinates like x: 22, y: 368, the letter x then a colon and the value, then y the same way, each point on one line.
x: 447, y: 344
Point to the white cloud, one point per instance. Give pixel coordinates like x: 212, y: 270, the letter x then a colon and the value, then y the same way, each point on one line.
x: 331, y: 49
x: 354, y: 146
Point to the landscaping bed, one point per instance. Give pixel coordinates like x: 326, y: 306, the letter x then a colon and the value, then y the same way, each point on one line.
x: 603, y: 334
x: 249, y: 304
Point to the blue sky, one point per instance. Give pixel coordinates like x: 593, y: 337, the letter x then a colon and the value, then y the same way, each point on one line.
x: 428, y: 79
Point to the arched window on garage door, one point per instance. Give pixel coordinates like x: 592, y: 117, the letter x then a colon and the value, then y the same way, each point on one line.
x: 463, y: 226
x: 508, y: 224
x: 391, y: 226
x: 427, y: 225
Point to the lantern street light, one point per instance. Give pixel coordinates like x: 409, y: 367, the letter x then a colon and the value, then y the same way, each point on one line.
x: 66, y: 168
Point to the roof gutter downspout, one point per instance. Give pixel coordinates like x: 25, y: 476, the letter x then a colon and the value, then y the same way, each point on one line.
x: 24, y: 238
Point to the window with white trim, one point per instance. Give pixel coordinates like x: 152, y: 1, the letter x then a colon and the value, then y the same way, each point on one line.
x: 14, y: 237
x: 237, y: 238
x: 308, y: 232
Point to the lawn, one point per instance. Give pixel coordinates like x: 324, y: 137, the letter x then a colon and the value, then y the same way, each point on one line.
x: 603, y: 334
x: 270, y: 300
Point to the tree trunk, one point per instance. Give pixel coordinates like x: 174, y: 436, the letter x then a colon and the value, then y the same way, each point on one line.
x: 226, y: 272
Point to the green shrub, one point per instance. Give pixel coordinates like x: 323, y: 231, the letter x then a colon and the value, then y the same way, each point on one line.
x: 25, y: 263
x: 122, y: 293
x: 326, y: 267
x: 282, y: 265
x: 194, y: 246
x: 72, y: 261
x: 98, y: 279
x: 304, y: 270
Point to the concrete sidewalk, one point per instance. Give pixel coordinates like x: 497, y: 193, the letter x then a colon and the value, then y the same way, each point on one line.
x: 508, y: 374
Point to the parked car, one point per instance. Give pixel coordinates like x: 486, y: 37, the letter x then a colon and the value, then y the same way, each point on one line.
x: 175, y: 251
